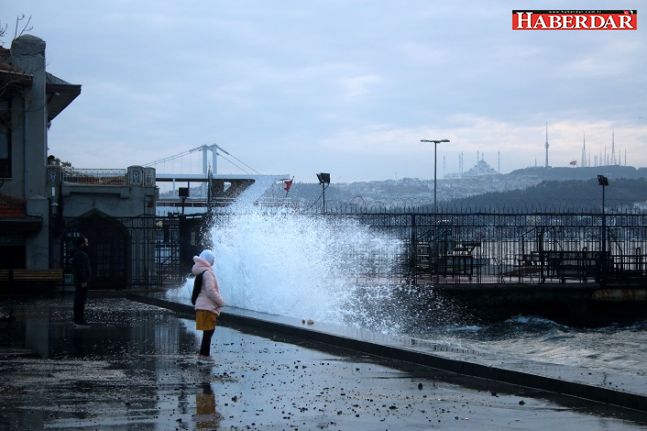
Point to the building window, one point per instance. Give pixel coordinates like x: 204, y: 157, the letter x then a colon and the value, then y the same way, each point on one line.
x: 5, y: 152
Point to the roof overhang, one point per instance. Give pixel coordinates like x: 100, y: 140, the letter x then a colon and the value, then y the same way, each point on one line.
x: 13, y: 78
x: 59, y: 95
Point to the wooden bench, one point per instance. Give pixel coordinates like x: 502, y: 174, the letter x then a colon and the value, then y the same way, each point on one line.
x: 38, y: 276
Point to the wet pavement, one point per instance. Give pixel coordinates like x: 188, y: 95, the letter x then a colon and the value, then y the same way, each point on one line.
x: 627, y: 387
x: 135, y: 368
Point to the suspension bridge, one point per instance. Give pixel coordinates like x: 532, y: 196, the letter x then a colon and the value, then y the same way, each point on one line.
x: 212, y: 185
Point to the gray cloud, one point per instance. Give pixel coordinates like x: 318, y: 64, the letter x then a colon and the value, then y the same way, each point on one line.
x: 346, y: 86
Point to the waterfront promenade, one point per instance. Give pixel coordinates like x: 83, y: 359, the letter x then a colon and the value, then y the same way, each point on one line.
x: 134, y: 367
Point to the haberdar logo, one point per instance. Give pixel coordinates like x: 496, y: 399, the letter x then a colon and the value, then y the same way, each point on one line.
x: 574, y: 19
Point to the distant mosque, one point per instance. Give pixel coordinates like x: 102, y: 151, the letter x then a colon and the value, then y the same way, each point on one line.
x: 480, y: 169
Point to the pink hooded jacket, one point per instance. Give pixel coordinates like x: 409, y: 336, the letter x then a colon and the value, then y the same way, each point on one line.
x: 209, y: 298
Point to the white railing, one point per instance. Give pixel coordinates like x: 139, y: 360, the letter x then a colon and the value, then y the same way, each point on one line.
x: 105, y: 177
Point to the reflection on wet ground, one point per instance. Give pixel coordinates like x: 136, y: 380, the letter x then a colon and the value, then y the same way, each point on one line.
x: 135, y: 367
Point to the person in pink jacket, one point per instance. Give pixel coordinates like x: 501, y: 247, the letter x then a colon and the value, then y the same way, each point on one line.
x: 209, y: 302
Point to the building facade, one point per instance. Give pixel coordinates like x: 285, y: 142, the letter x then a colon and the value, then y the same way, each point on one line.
x: 30, y: 98
x: 44, y: 206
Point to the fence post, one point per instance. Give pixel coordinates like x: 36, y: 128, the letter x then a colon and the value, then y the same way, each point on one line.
x: 413, y: 251
x: 540, y: 247
x: 639, y: 262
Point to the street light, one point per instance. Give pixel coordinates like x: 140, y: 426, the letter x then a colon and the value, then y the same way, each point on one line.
x: 604, y: 182
x: 435, y: 142
x: 183, y: 193
x: 324, y: 180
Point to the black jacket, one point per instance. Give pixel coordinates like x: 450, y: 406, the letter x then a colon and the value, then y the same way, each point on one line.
x: 81, y: 267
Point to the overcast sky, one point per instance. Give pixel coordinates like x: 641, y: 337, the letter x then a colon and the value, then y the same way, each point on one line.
x: 341, y: 86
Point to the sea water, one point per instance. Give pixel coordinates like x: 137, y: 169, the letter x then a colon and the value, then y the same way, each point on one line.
x: 306, y: 266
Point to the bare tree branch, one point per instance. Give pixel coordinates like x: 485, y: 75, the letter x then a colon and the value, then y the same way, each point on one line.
x: 26, y: 27
x: 3, y: 30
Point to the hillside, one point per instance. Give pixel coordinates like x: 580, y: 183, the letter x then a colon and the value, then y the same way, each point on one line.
x: 524, y: 188
x: 561, y: 195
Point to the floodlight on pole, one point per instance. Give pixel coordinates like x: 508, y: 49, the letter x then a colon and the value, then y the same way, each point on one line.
x: 435, y: 142
x: 604, y: 182
x: 324, y: 180
x: 183, y: 193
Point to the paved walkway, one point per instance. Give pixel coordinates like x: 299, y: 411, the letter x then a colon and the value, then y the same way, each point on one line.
x: 135, y: 368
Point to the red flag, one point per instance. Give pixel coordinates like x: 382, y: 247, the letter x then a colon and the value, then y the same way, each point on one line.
x: 573, y: 163
x: 287, y: 184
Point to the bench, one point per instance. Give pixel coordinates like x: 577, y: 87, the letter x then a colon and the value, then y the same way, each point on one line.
x: 573, y: 264
x: 459, y: 261
x: 531, y: 259
x: 21, y: 275
x: 563, y: 265
x: 528, y: 265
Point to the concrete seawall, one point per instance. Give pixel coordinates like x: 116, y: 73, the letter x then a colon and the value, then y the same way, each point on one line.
x: 620, y: 390
x: 574, y: 304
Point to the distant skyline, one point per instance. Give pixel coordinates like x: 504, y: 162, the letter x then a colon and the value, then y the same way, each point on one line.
x: 341, y: 86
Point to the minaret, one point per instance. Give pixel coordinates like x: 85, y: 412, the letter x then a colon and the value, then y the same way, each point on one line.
x: 546, y: 143
x: 613, y: 147
x: 584, y: 152
x: 498, y: 161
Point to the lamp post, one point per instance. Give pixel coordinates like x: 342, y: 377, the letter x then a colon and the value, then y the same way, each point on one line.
x: 324, y: 180
x: 435, y: 142
x: 604, y: 182
x: 183, y: 193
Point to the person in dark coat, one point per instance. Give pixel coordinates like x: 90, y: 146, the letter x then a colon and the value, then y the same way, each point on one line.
x: 82, y: 275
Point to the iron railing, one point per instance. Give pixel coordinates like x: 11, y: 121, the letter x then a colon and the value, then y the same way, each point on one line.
x: 433, y: 248
x: 106, y: 177
x: 502, y: 247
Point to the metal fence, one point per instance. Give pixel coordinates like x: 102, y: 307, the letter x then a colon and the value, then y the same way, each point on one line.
x: 458, y: 248
x: 518, y: 248
x: 504, y: 247
x: 139, y: 252
x: 110, y: 177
